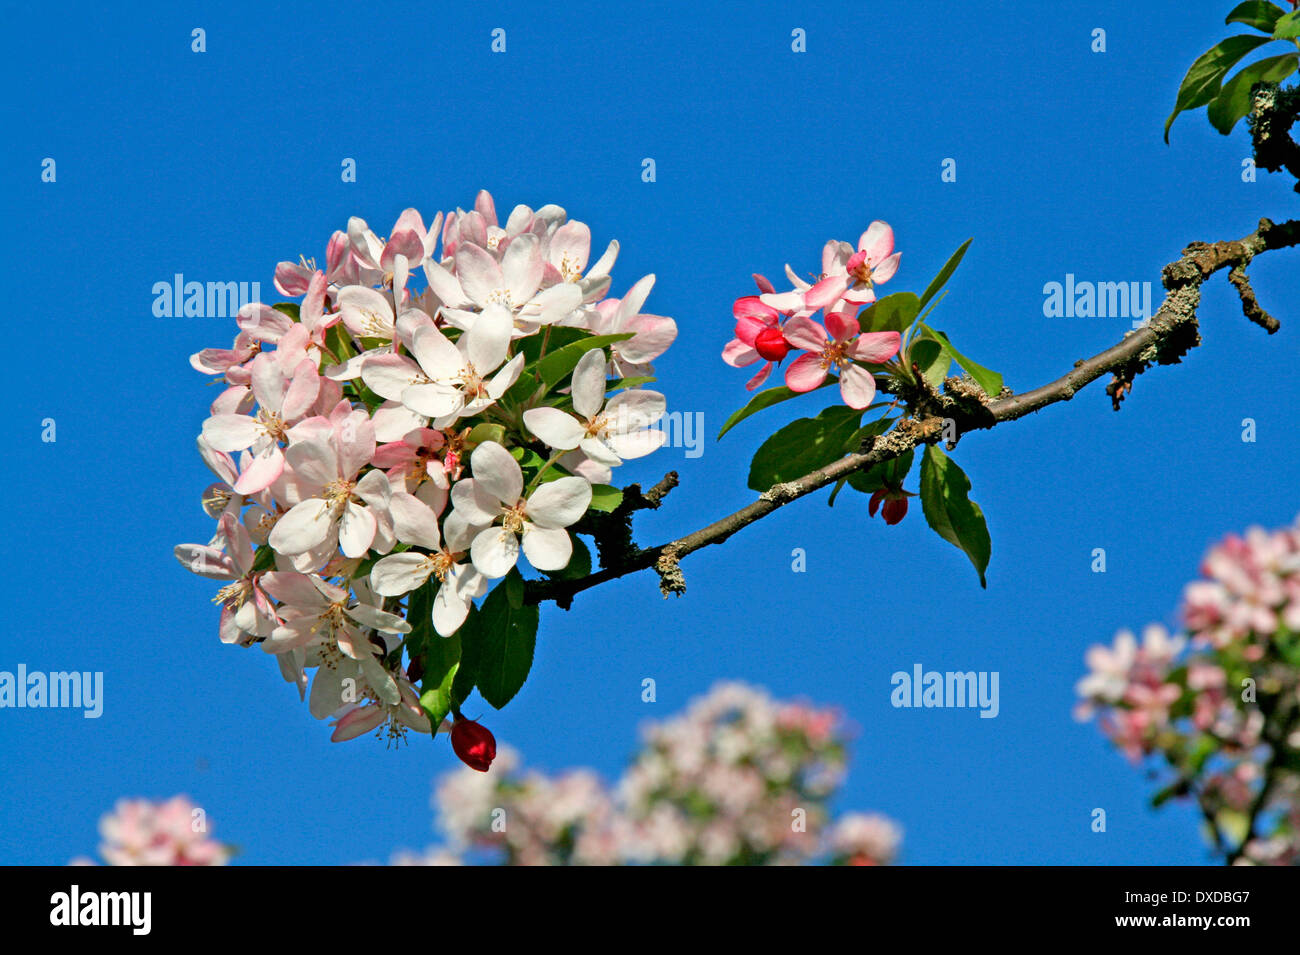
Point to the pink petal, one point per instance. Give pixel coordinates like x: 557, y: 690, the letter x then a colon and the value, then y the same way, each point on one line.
x: 805, y: 374
x: 877, y: 242
x: 803, y: 332
x: 876, y: 346
x: 857, y: 386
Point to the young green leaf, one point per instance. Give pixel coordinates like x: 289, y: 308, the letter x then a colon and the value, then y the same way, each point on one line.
x: 990, y: 381
x: 932, y: 359
x: 764, y: 399
x: 507, y: 637
x: 471, y: 642
x: 441, y: 664
x: 893, y: 313
x: 1234, y: 100
x: 1287, y: 27
x: 945, y: 500
x: 1257, y: 14
x: 605, y: 498
x: 556, y: 365
x: 1201, y: 84
x: 802, y: 446
x: 945, y: 273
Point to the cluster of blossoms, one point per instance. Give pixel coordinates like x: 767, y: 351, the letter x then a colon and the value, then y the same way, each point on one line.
x: 738, y: 778
x: 1219, y: 704
x: 175, y: 832
x: 375, y: 439
x: 772, y: 324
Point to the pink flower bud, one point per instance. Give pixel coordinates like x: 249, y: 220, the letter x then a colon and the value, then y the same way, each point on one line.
x: 474, y: 744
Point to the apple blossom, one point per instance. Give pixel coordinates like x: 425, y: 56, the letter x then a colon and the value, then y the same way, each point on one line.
x: 839, y: 351
x: 351, y: 418
x: 605, y: 433
x: 496, y: 493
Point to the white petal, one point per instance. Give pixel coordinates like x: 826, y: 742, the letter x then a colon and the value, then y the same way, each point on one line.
x: 494, y: 551
x: 547, y: 548
x: 557, y: 429
x: 356, y: 530
x: 305, y: 526
x: 475, y: 506
x: 559, y: 503
x: 399, y: 574
x: 496, y: 472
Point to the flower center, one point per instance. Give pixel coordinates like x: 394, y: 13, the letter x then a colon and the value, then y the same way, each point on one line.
x: 471, y: 382
x: 833, y: 354
x: 219, y: 498
x: 338, y: 493
x: 440, y: 564
x: 233, y: 595
x: 501, y: 296
x: 377, y: 325
x: 598, y: 426
x: 570, y: 267
x: 271, y: 423
x: 513, y: 520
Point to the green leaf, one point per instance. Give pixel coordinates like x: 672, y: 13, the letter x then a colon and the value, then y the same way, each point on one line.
x: 507, y: 638
x: 893, y: 313
x: 485, y: 431
x: 441, y: 664
x: 263, y: 558
x: 1234, y: 101
x: 471, y: 642
x: 562, y: 361
x: 620, y: 383
x: 932, y: 359
x: 1255, y: 13
x: 945, y: 273
x: 765, y: 399
x: 802, y: 446
x: 556, y: 338
x: 288, y: 308
x: 1288, y: 27
x: 605, y: 498
x: 990, y: 381
x: 945, y: 500
x: 338, y: 342
x: 1201, y: 84
x: 514, y: 585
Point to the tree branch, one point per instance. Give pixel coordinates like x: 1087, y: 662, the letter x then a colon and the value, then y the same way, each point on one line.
x: 1169, y: 334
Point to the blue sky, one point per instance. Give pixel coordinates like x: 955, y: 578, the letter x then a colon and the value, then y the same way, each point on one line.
x: 218, y: 165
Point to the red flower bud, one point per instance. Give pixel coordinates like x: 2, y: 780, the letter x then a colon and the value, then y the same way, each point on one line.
x: 771, y: 344
x: 895, y: 510
x: 474, y: 744
x: 895, y: 505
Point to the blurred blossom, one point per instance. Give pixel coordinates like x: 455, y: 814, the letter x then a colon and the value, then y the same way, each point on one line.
x: 736, y: 779
x: 141, y: 832
x: 1217, y: 708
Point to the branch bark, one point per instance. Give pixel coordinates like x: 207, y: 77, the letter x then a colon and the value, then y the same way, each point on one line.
x: 1169, y: 334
